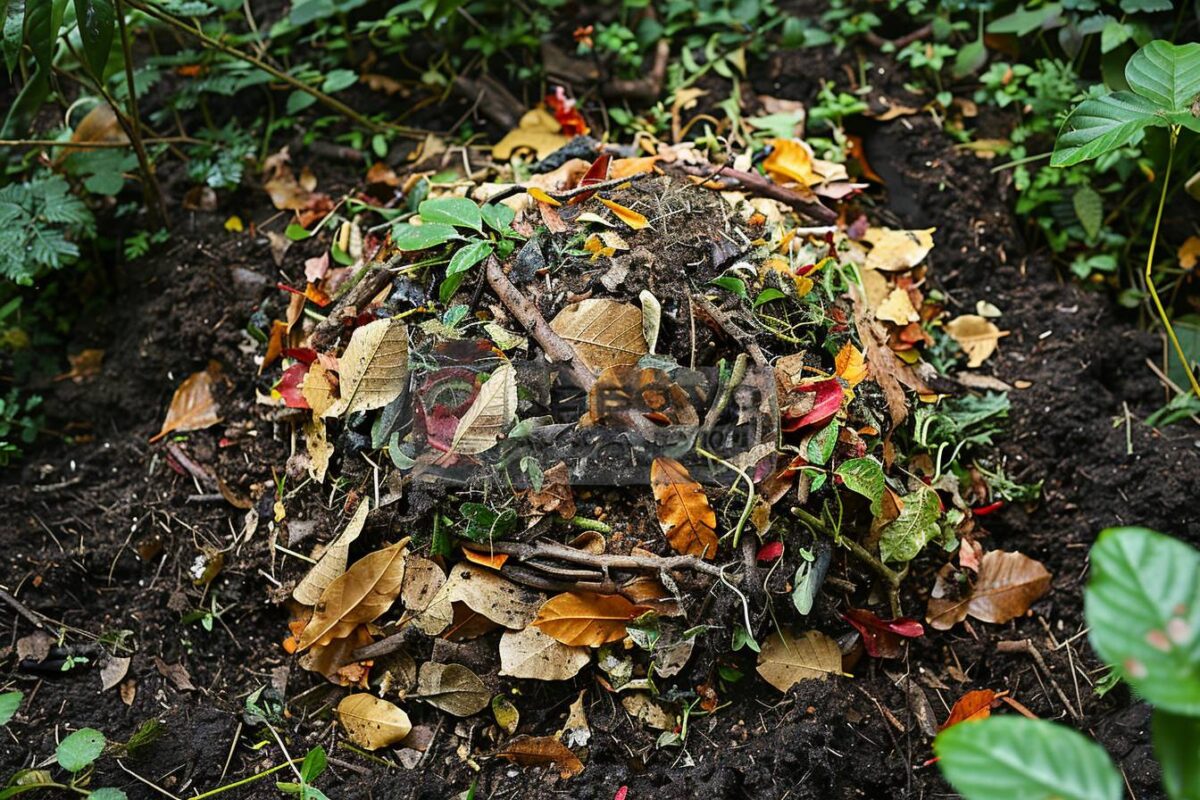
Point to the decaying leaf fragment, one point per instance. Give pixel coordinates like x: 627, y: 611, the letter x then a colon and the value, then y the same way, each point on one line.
x: 585, y: 619
x: 492, y: 413
x: 533, y: 655
x: 535, y: 751
x: 332, y: 562
x: 372, y: 723
x: 687, y: 520
x: 1007, y: 585
x: 453, y: 688
x: 895, y: 251
x: 486, y: 593
x: 360, y: 594
x: 374, y: 369
x: 971, y: 706
x: 193, y: 407
x: 630, y: 217
x: 976, y: 335
x: 603, y: 333
x: 786, y: 660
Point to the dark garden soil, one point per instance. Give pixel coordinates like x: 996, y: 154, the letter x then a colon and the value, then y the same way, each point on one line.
x: 103, y: 535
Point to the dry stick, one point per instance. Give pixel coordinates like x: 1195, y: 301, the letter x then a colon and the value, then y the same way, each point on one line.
x: 603, y: 562
x: 370, y: 281
x: 757, y: 184
x: 1028, y: 647
x: 532, y: 320
x: 324, y: 99
x: 21, y: 609
x: 732, y: 330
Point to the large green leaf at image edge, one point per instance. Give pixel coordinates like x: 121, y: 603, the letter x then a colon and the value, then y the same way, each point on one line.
x: 1101, y: 125
x: 1003, y: 758
x: 1143, y: 607
x: 1177, y: 748
x: 1166, y: 74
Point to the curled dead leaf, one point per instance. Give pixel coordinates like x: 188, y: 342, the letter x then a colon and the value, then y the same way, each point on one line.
x: 492, y: 413
x: 1007, y: 585
x: 193, y: 407
x: 360, y: 594
x: 332, y: 562
x: 374, y: 369
x: 687, y: 520
x: 536, y: 751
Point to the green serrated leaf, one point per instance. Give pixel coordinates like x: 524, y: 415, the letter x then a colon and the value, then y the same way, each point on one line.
x: 905, y: 536
x: 1177, y: 747
x: 457, y: 211
x: 422, y: 237
x: 1166, y: 74
x: 864, y: 476
x: 97, y: 21
x: 1102, y: 125
x: 468, y: 256
x: 1002, y: 758
x: 1089, y: 209
x: 80, y: 749
x: 9, y: 703
x: 1142, y: 604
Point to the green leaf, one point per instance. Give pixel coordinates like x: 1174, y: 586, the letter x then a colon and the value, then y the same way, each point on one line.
x: 1002, y: 758
x: 498, y: 216
x: 9, y: 703
x: 1177, y: 747
x: 314, y: 764
x: 1142, y: 604
x: 457, y: 211
x: 97, y: 21
x: 821, y: 444
x: 1089, y: 208
x: 339, y: 79
x: 1166, y: 74
x: 469, y: 256
x: 864, y: 476
x: 971, y: 57
x: 1145, y: 6
x: 422, y: 237
x: 767, y: 295
x: 1187, y: 329
x: 1102, y: 125
x: 296, y: 232
x: 13, y: 22
x: 298, y: 101
x: 731, y: 284
x: 1025, y: 21
x: 108, y: 793
x: 905, y: 536
x: 449, y: 287
x: 80, y: 749
x: 40, y: 31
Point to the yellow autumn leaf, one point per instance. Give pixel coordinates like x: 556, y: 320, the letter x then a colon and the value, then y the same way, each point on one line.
x: 627, y: 215
x: 372, y: 723
x: 850, y: 365
x: 791, y: 161
x: 1189, y: 252
x: 541, y: 196
x: 977, y: 336
x: 896, y: 251
x: 897, y: 308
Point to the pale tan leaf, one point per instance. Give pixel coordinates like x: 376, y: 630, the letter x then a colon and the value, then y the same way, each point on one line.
x: 648, y: 712
x: 897, y: 308
x: 977, y: 336
x: 114, y: 671
x: 372, y: 723
x: 492, y: 413
x: 374, y: 369
x: 332, y: 562
x: 687, y: 520
x: 422, y: 581
x: 585, y: 619
x: 320, y: 449
x: 453, y: 688
x: 193, y: 407
x: 490, y: 595
x: 536, y: 751
x: 895, y: 251
x: 533, y: 655
x: 786, y: 660
x: 576, y: 732
x: 360, y: 594
x: 317, y: 389
x: 1008, y: 584
x: 651, y: 319
x: 603, y: 333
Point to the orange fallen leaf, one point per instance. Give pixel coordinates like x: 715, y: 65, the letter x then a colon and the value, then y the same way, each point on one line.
x: 585, y: 619
x: 850, y: 365
x: 1189, y: 252
x: 790, y: 161
x: 971, y: 706
x: 192, y: 406
x: 542, y: 197
x: 540, y: 750
x: 490, y: 560
x: 627, y: 215
x: 687, y: 520
x: 84, y: 364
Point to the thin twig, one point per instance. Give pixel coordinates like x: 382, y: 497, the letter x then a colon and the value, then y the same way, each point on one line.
x: 1028, y: 647
x: 756, y: 184
x: 34, y: 618
x: 152, y: 191
x: 603, y: 562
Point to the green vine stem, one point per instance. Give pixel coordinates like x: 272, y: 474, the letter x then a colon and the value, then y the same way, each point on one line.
x: 1162, y: 312
x: 151, y: 189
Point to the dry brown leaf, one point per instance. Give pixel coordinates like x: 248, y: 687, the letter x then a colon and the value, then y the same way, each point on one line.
x: 536, y: 751
x: 1189, y: 252
x: 453, y: 688
x: 113, y: 671
x: 336, y: 662
x: 585, y: 619
x: 87, y: 363
x: 533, y: 655
x: 603, y: 333
x: 1007, y: 585
x: 98, y: 126
x: 358, y: 595
x: 976, y: 335
x: 649, y: 712
x: 490, y: 595
x: 786, y: 660
x: 374, y: 369
x: 320, y: 449
x: 193, y: 407
x: 423, y: 579
x: 372, y: 723
x: 885, y: 368
x: 318, y: 389
x: 687, y: 520
x: 556, y: 495
x: 492, y: 413
x: 576, y: 732
x: 332, y: 562
x: 895, y: 251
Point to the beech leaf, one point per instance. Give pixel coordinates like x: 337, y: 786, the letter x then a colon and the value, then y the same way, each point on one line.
x: 586, y: 619
x: 1007, y: 585
x: 687, y: 520
x: 374, y: 369
x: 486, y: 593
x: 193, y: 407
x: 786, y: 660
x: 372, y: 723
x: 360, y: 594
x: 603, y: 333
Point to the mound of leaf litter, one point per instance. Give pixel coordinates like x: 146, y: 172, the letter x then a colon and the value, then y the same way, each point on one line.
x: 119, y: 535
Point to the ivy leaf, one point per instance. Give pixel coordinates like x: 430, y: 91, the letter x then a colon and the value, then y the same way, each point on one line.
x: 97, y: 19
x: 905, y: 536
x: 1005, y: 757
x: 1166, y: 74
x: 80, y: 749
x: 422, y: 237
x: 1143, y: 607
x: 1102, y: 125
x: 457, y: 211
x: 469, y: 256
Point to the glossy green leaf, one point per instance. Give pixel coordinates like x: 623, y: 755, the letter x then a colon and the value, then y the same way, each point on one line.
x: 314, y: 764
x: 1142, y: 605
x: 498, y: 216
x: 97, y: 21
x: 1177, y: 748
x: 9, y: 703
x: 80, y: 749
x: 1004, y: 758
x: 731, y: 284
x: 864, y: 476
x: 905, y: 536
x: 457, y: 211
x: 422, y: 237
x: 1166, y: 74
x: 468, y: 256
x: 768, y: 295
x: 1102, y: 125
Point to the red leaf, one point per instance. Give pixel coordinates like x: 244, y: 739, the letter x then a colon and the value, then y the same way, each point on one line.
x: 881, y: 637
x: 305, y: 355
x: 828, y: 401
x: 974, y: 705
x: 289, y: 386
x: 563, y: 108
x: 770, y: 552
x: 596, y: 173
x: 620, y: 795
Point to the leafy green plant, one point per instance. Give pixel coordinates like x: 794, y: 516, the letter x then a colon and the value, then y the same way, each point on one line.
x: 314, y: 764
x: 76, y: 755
x: 1164, y: 80
x: 1142, y: 606
x: 41, y: 224
x: 19, y: 424
x: 10, y: 702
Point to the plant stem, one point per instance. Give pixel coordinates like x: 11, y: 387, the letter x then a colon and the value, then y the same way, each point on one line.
x: 244, y: 781
x: 1162, y: 312
x: 326, y: 100
x: 588, y: 524
x: 889, y: 575
x: 150, y: 188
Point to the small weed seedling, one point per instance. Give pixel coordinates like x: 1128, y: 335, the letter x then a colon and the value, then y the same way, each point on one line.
x: 76, y: 756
